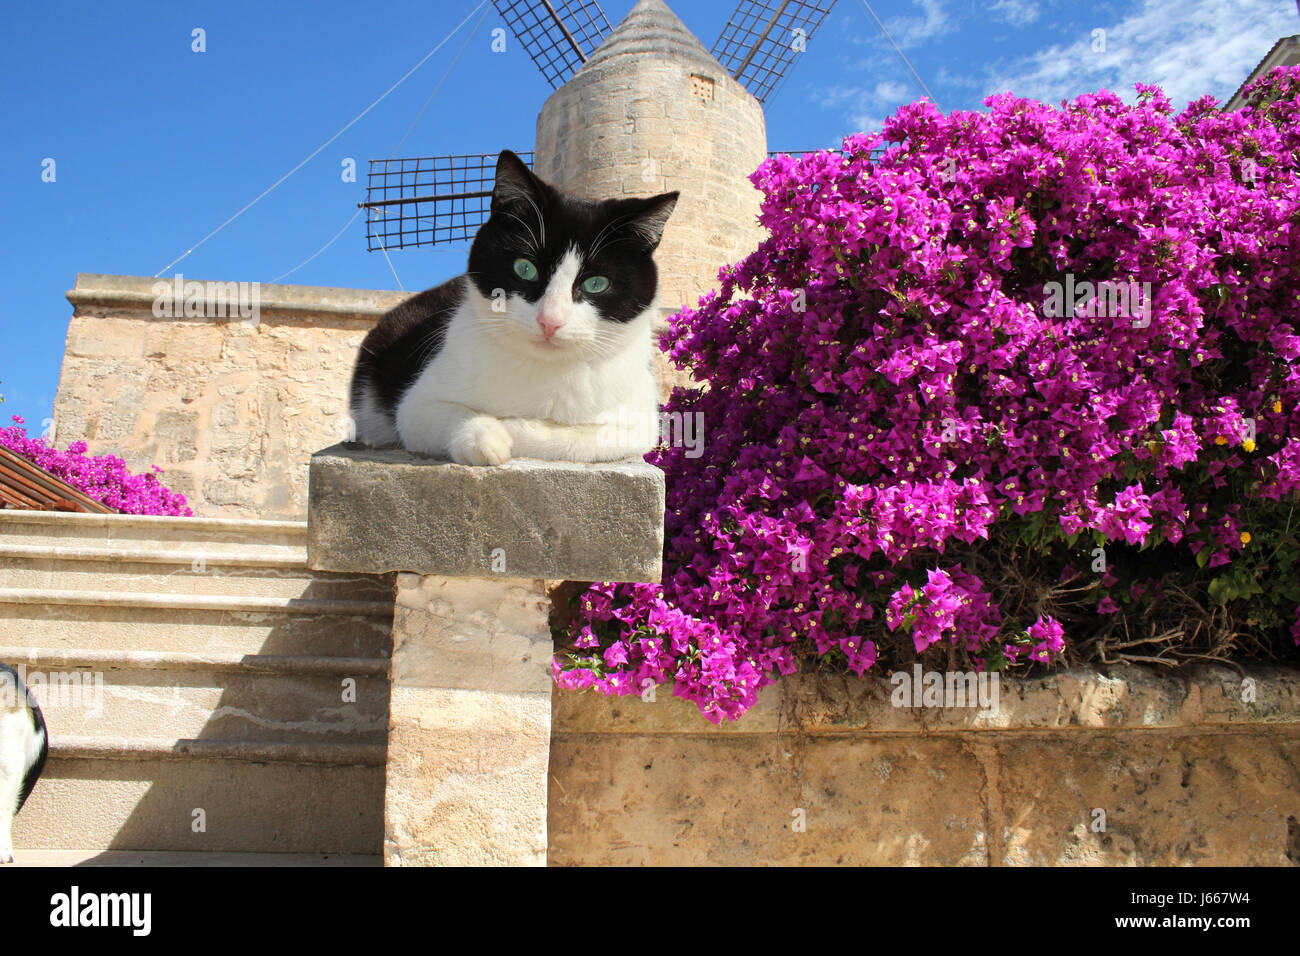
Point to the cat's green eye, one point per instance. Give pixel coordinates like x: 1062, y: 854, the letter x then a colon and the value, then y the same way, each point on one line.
x: 525, y: 269
x: 595, y: 284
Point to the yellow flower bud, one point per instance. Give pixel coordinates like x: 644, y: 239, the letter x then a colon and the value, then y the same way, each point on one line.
x: 1248, y: 445
x: 1277, y: 407
x: 1245, y: 537
x: 1221, y: 440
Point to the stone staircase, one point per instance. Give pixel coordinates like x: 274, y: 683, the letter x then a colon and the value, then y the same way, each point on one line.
x: 207, y: 694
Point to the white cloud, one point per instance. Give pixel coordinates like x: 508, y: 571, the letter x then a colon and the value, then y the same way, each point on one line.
x: 889, y: 91
x: 1017, y: 12
x: 913, y: 31
x: 947, y: 78
x: 866, y: 123
x: 867, y: 106
x: 1187, y: 47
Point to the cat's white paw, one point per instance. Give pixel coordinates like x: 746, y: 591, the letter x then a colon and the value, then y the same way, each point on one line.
x: 6, y: 854
x: 481, y: 441
x: 528, y: 437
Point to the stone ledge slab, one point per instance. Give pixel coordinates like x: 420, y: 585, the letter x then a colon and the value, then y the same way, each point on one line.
x: 110, y: 294
x: 377, y: 510
x: 1118, y: 697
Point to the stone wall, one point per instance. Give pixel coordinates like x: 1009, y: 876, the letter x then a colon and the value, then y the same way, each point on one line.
x: 229, y: 408
x: 1185, y: 772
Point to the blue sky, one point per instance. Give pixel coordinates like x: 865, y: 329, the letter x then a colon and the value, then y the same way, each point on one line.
x: 156, y: 145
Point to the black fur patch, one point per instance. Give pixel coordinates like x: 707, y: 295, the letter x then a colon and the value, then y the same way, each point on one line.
x: 530, y: 218
x: 395, y: 351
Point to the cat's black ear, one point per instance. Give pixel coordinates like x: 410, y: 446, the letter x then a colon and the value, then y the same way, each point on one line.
x: 648, y: 221
x: 515, y: 182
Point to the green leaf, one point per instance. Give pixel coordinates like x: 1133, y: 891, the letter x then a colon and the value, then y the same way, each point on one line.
x: 1217, y: 591
x: 1247, y: 586
x: 994, y: 659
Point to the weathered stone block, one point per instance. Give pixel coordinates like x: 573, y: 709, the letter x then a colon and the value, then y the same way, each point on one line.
x: 375, y: 510
x: 472, y: 633
x: 174, y: 433
x: 278, y: 388
x: 746, y: 799
x: 1147, y: 799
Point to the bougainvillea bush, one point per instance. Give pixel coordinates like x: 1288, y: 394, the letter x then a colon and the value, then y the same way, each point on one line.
x: 925, y: 440
x: 102, y: 477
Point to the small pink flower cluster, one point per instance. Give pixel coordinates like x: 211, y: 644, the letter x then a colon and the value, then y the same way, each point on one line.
x: 102, y: 477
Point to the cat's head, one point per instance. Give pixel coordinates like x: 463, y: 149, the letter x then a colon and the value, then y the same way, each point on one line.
x: 565, y: 278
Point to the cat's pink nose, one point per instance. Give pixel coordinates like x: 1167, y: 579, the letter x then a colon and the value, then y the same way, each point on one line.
x: 549, y: 325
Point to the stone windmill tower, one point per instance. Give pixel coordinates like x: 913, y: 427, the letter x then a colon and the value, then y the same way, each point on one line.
x: 642, y: 109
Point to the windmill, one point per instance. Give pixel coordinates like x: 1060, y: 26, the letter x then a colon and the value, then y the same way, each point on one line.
x: 638, y: 110
x: 430, y: 200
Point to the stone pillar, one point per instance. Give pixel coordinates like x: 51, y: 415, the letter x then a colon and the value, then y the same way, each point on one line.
x: 470, y: 704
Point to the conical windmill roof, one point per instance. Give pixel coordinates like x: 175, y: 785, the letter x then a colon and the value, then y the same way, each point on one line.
x: 652, y: 29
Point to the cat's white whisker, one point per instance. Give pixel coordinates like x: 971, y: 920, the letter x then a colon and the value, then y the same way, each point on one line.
x: 537, y: 247
x: 541, y: 221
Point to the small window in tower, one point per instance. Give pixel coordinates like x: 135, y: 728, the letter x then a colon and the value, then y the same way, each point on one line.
x: 701, y: 86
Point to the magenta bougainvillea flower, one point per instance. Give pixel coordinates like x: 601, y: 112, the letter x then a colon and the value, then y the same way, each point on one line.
x: 1068, y: 332
x: 102, y: 477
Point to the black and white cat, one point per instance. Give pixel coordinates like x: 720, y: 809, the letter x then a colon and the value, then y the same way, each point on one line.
x: 23, y: 748
x: 540, y: 350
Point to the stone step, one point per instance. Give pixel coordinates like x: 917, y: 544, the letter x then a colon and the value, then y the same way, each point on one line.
x: 151, y: 696
x: 178, y: 554
x: 253, y: 572
x: 206, y: 624
x: 217, y: 664
x: 193, y: 602
x: 210, y: 536
x: 106, y: 794
x: 84, y: 858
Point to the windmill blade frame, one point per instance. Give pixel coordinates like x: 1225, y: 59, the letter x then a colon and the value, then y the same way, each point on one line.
x: 558, y: 35
x: 429, y: 200
x: 763, y: 37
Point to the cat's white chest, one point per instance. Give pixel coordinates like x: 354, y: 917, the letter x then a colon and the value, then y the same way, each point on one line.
x: 476, y: 371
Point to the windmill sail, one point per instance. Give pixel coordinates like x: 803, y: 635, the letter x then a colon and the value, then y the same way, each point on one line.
x: 426, y: 200
x: 558, y: 34
x: 761, y: 40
